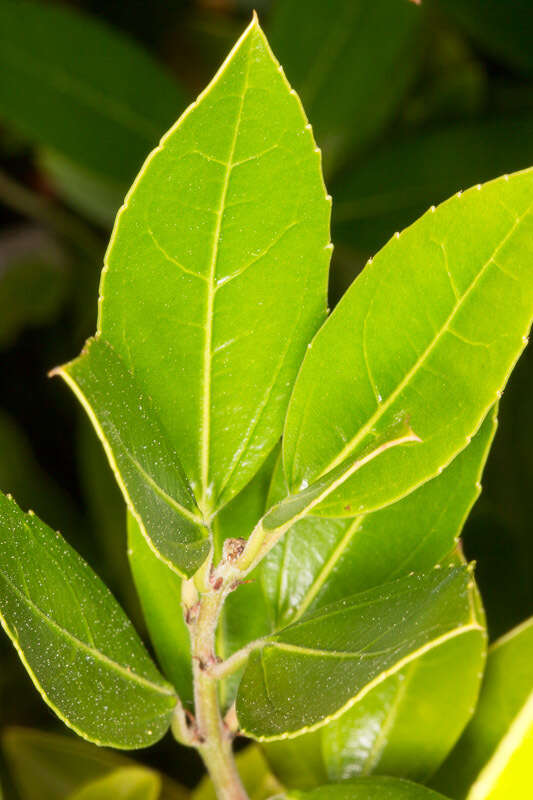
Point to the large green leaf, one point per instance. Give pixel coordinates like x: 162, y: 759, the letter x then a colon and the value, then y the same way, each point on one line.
x: 320, y: 666
x: 322, y: 560
x: 369, y: 789
x: 126, y: 783
x: 159, y: 590
x: 430, y: 329
x: 404, y: 727
x: 73, y: 84
x: 146, y: 465
x: 215, y: 277
x: 492, y: 760
x: 78, y: 646
x: 50, y: 766
x: 352, y: 61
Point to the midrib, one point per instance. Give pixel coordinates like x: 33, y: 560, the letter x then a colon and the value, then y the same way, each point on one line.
x: 210, y: 302
x: 380, y: 411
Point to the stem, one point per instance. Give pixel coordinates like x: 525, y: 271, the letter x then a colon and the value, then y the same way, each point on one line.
x: 214, y: 738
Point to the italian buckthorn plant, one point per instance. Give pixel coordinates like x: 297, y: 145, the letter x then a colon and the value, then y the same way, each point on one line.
x: 295, y: 481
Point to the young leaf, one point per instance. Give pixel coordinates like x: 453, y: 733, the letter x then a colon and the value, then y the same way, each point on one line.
x: 127, y: 783
x: 492, y: 760
x: 49, y: 766
x: 430, y: 329
x: 218, y: 260
x: 74, y: 639
x: 319, y: 667
x: 347, y: 554
x: 159, y: 590
x: 369, y: 789
x: 404, y: 727
x: 342, y: 56
x: 145, y: 464
x: 75, y: 85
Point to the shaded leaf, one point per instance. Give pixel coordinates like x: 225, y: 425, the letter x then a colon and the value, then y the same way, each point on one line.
x: 33, y: 281
x: 127, y: 783
x: 392, y: 186
x: 431, y: 329
x: 219, y: 258
x: 49, y: 766
x: 77, y: 86
x: 145, y: 464
x: 79, y: 648
x: 322, y: 560
x: 493, y: 757
x: 369, y: 789
x: 351, y: 61
x: 504, y: 29
x: 322, y: 665
x: 159, y: 590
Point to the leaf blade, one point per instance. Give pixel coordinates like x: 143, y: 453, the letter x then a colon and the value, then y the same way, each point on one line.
x: 453, y: 358
x: 341, y: 673
x: 229, y: 253
x: 76, y: 635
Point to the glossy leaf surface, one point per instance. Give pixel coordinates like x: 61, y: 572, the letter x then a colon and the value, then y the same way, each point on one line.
x: 145, y: 464
x: 404, y: 727
x: 320, y: 666
x: 127, y: 783
x: 342, y: 56
x: 319, y: 561
x: 78, y: 646
x: 430, y: 329
x: 50, y: 766
x: 492, y: 760
x: 96, y: 97
x: 159, y: 590
x: 369, y: 789
x: 219, y: 259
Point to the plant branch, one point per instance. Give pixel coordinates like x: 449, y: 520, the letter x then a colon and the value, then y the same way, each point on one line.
x: 213, y: 738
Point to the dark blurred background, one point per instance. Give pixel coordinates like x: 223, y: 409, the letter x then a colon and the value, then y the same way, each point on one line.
x: 409, y: 102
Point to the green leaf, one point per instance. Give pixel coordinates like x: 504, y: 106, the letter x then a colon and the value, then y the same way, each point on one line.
x: 492, y: 760
x: 159, y: 590
x: 82, y: 89
x: 74, y: 639
x: 394, y: 184
x: 404, y: 727
x: 347, y: 554
x: 49, y: 766
x: 430, y: 329
x: 319, y: 667
x: 257, y: 779
x: 369, y: 789
x: 504, y: 29
x: 33, y: 281
x: 145, y: 464
x: 219, y: 260
x: 127, y: 783
x: 352, y: 62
